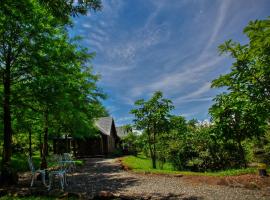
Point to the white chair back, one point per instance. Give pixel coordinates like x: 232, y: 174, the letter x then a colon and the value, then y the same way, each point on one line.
x: 67, y: 157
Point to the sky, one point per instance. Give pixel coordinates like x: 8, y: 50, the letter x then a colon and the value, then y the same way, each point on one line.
x: 143, y: 46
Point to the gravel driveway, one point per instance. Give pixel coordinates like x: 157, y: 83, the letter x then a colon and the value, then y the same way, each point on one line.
x: 106, y: 175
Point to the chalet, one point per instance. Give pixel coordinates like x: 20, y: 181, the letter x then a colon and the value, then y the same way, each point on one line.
x: 121, y: 131
x: 107, y: 141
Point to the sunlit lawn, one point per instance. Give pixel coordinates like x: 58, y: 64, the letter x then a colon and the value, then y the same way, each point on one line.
x: 144, y: 165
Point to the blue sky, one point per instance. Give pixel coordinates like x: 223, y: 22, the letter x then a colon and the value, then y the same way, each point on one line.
x: 170, y: 45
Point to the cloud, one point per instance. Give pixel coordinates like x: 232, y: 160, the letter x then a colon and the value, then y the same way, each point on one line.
x: 174, y: 81
x: 195, y: 95
x: 220, y: 19
x: 144, y: 46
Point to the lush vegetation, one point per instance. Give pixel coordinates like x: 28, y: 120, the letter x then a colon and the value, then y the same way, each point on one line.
x: 48, y: 87
x: 238, y: 133
x: 142, y: 164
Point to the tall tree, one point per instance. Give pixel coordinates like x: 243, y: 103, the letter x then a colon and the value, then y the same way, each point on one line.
x: 243, y: 112
x: 236, y: 119
x: 26, y: 29
x: 19, y: 22
x: 250, y: 72
x: 63, y: 9
x: 152, y: 116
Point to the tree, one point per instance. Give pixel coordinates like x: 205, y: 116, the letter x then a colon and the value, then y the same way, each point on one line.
x: 27, y: 28
x: 244, y: 111
x: 250, y: 73
x: 152, y: 116
x: 63, y: 9
x: 19, y: 38
x: 236, y: 119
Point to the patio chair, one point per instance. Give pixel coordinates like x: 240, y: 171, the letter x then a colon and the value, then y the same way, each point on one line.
x: 35, y: 172
x: 61, y: 174
x: 68, y: 162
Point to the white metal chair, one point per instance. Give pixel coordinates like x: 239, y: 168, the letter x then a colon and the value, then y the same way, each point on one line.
x: 68, y: 162
x: 61, y: 173
x: 35, y: 172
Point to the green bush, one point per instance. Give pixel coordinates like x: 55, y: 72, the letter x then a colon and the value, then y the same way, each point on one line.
x: 202, y: 150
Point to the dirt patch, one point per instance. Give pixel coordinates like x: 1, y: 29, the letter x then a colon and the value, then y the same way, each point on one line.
x: 249, y: 181
x: 122, y: 165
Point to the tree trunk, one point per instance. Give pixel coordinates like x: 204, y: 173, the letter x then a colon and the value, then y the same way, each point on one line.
x: 154, y: 161
x: 45, y: 142
x: 40, y: 144
x: 7, y: 175
x: 152, y: 153
x: 66, y: 142
x: 242, y: 153
x: 30, y: 142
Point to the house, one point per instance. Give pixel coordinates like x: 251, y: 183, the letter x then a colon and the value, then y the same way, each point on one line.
x: 106, y: 142
x: 122, y: 131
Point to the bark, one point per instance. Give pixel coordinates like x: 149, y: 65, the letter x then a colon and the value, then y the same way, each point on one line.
x: 152, y: 151
x: 154, y: 159
x: 8, y: 176
x: 242, y: 153
x: 40, y: 144
x: 7, y: 119
x: 30, y: 142
x: 45, y: 142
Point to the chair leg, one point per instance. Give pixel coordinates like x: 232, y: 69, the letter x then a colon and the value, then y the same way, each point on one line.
x: 33, y: 176
x: 50, y: 182
x: 43, y: 178
x: 61, y: 177
x: 65, y: 179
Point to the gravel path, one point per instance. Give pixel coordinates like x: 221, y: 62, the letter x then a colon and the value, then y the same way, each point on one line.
x: 106, y: 175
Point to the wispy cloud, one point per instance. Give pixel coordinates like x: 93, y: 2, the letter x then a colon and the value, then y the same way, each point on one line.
x: 197, y: 95
x: 144, y: 46
x: 222, y: 12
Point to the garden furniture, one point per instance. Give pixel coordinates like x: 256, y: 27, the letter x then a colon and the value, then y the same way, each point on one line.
x: 61, y: 174
x: 35, y: 172
x: 68, y: 162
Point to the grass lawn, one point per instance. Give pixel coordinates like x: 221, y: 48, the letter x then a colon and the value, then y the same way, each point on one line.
x: 144, y: 165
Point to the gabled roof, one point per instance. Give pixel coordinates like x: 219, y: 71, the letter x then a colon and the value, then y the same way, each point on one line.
x: 104, y: 124
x: 121, y: 131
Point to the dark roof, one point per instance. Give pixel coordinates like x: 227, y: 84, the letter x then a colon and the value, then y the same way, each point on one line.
x: 121, y: 131
x: 104, y: 124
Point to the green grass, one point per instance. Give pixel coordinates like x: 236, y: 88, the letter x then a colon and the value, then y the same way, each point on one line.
x: 79, y: 162
x: 142, y: 164
x: 20, y: 163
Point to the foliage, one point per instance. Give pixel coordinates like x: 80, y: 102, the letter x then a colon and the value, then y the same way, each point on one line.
x: 243, y: 112
x: 48, y: 85
x: 143, y: 165
x: 152, y: 116
x: 131, y: 143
